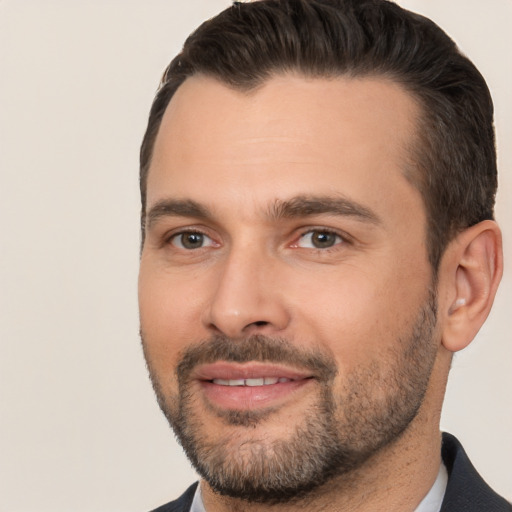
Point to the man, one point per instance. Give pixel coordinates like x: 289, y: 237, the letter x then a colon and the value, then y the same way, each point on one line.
x: 318, y: 181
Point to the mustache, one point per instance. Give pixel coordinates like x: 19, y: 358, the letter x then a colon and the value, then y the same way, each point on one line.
x: 256, y: 348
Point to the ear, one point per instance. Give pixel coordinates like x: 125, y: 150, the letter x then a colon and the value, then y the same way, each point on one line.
x: 469, y: 275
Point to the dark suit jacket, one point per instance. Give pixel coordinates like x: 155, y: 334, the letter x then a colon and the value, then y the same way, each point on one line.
x: 466, y: 490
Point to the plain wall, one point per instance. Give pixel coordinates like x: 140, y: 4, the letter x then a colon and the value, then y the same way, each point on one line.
x: 80, y: 429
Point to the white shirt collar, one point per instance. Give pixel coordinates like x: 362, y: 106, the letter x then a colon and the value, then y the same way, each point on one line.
x: 197, y: 503
x: 434, y: 499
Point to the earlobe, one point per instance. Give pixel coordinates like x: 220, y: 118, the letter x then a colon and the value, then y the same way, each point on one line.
x: 471, y: 271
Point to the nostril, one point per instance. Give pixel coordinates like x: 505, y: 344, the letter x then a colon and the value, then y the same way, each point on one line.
x: 255, y: 326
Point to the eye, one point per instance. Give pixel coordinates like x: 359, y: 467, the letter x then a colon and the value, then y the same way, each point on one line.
x: 190, y: 240
x: 319, y: 239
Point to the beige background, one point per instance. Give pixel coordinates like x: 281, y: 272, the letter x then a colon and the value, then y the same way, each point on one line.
x: 80, y: 429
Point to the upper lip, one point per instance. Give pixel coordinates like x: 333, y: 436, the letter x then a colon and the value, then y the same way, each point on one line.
x: 253, y: 370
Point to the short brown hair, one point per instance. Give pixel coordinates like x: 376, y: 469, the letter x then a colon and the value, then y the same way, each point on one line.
x: 248, y: 43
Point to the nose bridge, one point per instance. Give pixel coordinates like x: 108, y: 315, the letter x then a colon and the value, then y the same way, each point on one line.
x: 246, y: 298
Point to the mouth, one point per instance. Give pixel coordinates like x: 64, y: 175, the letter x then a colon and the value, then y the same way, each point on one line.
x: 250, y: 386
x: 261, y: 381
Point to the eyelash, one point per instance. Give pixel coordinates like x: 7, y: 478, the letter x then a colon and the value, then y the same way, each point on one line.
x: 342, y: 239
x: 175, y: 236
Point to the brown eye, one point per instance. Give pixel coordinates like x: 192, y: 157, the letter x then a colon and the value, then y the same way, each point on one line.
x: 318, y: 239
x: 191, y: 240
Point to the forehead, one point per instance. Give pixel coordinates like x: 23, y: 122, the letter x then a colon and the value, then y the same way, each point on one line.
x: 347, y: 135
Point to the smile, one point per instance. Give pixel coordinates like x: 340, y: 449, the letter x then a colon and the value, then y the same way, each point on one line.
x: 263, y: 381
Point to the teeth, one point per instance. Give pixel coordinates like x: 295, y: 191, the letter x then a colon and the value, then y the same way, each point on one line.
x: 254, y: 382
x: 263, y: 381
x: 236, y: 382
x: 221, y: 382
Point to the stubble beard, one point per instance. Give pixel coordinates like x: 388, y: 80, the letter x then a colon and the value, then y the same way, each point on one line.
x: 336, y: 434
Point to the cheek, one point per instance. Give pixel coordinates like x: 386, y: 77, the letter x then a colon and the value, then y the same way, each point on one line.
x: 168, y: 315
x: 359, y: 316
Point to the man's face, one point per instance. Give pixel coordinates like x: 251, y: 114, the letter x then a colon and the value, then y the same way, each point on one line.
x: 286, y: 301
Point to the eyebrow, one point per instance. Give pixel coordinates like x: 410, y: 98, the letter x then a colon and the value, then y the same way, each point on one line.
x: 296, y: 207
x: 304, y: 206
x: 176, y: 208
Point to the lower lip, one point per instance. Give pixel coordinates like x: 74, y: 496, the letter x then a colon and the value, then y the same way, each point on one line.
x: 251, y: 397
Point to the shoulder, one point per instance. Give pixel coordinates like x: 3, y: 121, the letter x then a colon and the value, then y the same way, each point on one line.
x: 466, y: 490
x: 182, y: 504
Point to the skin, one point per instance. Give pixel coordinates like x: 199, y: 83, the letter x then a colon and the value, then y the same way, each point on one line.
x: 240, y: 157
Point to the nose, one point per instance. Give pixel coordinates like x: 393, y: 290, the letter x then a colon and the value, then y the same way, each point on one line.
x: 247, y: 297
